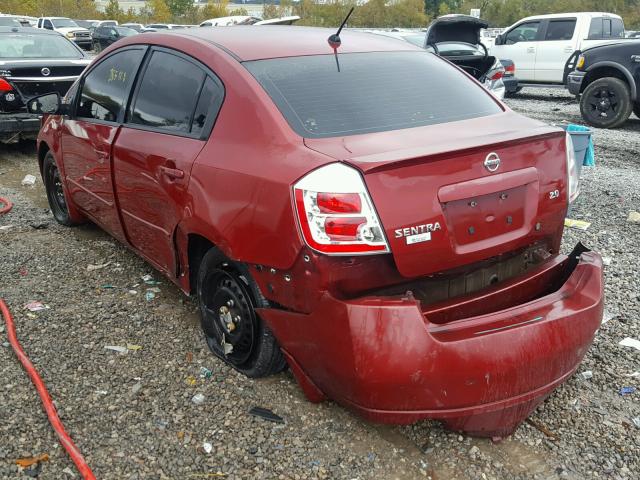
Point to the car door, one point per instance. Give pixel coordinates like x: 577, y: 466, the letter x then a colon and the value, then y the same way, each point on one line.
x: 554, y: 49
x: 520, y: 46
x: 87, y: 136
x: 172, y: 112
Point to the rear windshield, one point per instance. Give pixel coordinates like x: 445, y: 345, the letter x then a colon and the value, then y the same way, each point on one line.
x: 26, y: 46
x: 371, y: 92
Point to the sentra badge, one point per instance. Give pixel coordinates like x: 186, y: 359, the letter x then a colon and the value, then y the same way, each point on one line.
x: 418, y: 233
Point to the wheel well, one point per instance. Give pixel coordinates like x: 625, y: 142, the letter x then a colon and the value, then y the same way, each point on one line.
x: 42, y: 151
x: 197, y: 247
x: 602, y: 72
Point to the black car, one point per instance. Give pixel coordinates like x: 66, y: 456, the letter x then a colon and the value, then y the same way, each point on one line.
x: 607, y: 81
x: 104, y: 36
x: 33, y: 62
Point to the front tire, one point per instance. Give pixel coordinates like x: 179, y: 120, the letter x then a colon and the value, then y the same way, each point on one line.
x: 606, y: 103
x: 636, y: 109
x: 227, y: 297
x: 61, y: 207
x: 97, y: 47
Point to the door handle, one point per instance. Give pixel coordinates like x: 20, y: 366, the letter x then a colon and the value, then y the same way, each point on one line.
x: 531, y: 50
x: 172, y: 173
x: 568, y: 50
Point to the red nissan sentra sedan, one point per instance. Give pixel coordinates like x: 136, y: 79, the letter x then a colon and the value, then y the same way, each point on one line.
x: 371, y: 217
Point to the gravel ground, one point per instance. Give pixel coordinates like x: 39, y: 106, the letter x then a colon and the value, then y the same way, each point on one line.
x: 132, y: 413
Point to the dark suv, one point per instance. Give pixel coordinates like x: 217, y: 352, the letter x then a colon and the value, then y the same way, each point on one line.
x: 606, y: 80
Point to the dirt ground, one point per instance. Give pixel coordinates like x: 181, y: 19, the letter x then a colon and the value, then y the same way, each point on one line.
x: 132, y: 413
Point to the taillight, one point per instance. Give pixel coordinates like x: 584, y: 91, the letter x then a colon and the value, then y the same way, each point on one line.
x: 336, y: 214
x: 573, y: 174
x: 510, y: 70
x: 5, y: 86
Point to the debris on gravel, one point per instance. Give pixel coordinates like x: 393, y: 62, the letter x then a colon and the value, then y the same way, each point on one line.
x: 143, y: 397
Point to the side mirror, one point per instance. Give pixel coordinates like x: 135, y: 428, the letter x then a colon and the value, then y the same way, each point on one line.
x: 499, y: 40
x: 49, y: 103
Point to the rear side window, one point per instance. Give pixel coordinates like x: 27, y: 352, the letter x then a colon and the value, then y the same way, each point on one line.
x: 106, y: 87
x: 372, y: 92
x: 208, y: 106
x: 560, y: 29
x: 168, y: 93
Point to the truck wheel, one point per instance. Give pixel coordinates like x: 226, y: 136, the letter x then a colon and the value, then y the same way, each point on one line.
x: 606, y: 103
x: 636, y: 109
x: 97, y: 47
x: 62, y: 208
x: 227, y: 297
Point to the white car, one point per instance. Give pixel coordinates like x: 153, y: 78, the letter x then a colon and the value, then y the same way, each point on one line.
x: 542, y: 45
x: 68, y: 28
x: 248, y: 20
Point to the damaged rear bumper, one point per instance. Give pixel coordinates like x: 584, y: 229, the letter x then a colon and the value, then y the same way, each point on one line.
x: 394, y: 362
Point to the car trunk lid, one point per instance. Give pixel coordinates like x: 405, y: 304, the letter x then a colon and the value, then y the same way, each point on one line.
x: 444, y: 201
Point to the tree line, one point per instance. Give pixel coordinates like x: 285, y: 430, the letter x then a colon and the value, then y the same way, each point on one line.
x: 374, y: 13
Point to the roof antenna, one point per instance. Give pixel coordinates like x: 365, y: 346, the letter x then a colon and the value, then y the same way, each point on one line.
x: 334, y: 40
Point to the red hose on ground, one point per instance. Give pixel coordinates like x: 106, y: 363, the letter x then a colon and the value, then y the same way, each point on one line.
x: 63, y: 436
x: 5, y: 205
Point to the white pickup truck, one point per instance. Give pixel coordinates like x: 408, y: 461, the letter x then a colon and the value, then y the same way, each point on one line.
x: 68, y: 28
x: 540, y: 46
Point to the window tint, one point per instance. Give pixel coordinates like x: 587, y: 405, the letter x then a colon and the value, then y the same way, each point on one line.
x: 372, y: 92
x: 525, y: 32
x: 106, y: 87
x: 560, y: 29
x: 168, y: 93
x: 208, y: 105
x: 606, y: 28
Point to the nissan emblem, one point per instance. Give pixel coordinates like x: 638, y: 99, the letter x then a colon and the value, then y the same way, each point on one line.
x: 492, y: 162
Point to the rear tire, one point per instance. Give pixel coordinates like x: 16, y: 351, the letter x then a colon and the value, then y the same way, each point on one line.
x: 636, y: 109
x: 62, y: 208
x: 606, y: 103
x: 227, y: 297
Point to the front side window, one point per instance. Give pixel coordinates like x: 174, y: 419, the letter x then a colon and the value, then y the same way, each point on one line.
x: 48, y: 24
x: 106, y: 88
x: 372, y: 92
x: 168, y: 93
x: 617, y: 28
x: 560, y: 29
x: 525, y: 32
x: 595, y: 29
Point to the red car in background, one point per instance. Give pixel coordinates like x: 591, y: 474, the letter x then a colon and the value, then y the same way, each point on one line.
x: 368, y: 214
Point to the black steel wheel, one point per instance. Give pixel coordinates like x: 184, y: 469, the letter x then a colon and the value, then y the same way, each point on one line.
x: 55, y: 191
x: 227, y: 297
x: 606, y: 103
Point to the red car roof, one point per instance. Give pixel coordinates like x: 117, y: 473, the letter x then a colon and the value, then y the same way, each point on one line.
x: 269, y: 41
